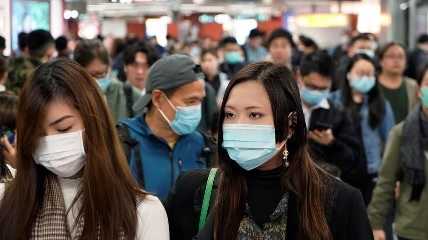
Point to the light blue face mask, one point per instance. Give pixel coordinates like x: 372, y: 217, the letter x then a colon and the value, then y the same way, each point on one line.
x: 186, y: 119
x: 362, y: 84
x: 249, y: 145
x: 368, y: 52
x: 233, y: 57
x: 424, y: 96
x: 313, y: 97
x: 104, y: 82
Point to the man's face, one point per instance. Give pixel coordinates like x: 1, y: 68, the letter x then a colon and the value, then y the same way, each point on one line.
x: 394, y: 60
x: 136, y: 72
x: 50, y: 53
x: 256, y: 42
x: 209, y: 64
x: 190, y: 94
x: 280, y: 51
x: 315, y: 81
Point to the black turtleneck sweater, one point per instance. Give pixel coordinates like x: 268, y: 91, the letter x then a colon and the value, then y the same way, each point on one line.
x: 264, y: 193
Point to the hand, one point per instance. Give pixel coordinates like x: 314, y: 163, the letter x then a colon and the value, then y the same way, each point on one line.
x: 379, y: 235
x: 8, y: 151
x: 325, y: 137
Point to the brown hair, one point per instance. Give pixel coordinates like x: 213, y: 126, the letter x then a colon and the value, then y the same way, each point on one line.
x: 88, y: 50
x: 108, y: 192
x: 303, y: 178
x: 387, y: 46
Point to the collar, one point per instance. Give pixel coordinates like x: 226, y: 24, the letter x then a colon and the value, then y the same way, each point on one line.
x: 2, y: 88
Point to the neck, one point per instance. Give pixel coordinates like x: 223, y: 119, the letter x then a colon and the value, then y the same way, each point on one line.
x: 390, y: 80
x: 211, y: 77
x: 357, y: 97
x: 160, y: 129
x: 274, y: 163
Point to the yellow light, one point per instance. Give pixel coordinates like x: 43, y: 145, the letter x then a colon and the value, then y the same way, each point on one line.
x: 322, y: 20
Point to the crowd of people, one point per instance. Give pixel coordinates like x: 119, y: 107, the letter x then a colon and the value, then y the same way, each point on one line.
x: 274, y: 139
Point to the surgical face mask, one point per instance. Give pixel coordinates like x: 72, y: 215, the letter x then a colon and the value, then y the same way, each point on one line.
x: 313, y: 97
x: 62, y: 154
x: 424, y: 97
x: 368, y: 52
x: 362, y: 84
x: 233, y: 57
x: 250, y: 146
x: 186, y: 119
x: 104, y: 82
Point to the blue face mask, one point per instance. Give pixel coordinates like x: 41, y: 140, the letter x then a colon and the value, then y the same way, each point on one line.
x: 233, y: 57
x: 186, y: 119
x: 363, y: 84
x: 249, y: 145
x: 424, y: 96
x: 313, y: 97
x: 104, y: 83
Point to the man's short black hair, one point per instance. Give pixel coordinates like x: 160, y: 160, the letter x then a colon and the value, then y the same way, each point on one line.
x: 308, y: 42
x: 22, y: 40
x: 255, y: 33
x: 363, y: 37
x: 228, y: 40
x: 38, y: 42
x: 61, y: 43
x: 132, y: 50
x: 317, y: 62
x: 281, y: 33
x: 423, y: 38
x: 2, y: 42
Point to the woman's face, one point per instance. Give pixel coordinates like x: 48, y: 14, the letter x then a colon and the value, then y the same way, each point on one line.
x: 362, y: 68
x: 61, y: 117
x: 248, y: 103
x: 97, y: 69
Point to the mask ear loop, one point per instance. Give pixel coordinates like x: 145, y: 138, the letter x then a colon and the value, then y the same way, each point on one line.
x: 292, y: 119
x: 163, y: 114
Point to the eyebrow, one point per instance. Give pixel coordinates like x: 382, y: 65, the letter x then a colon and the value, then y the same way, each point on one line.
x: 247, y: 108
x: 60, y: 120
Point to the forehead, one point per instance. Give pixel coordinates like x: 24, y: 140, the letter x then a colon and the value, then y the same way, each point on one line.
x: 363, y: 64
x: 141, y: 57
x: 280, y: 41
x: 396, y: 49
x: 195, y: 88
x: 97, y: 66
x: 242, y: 95
x: 58, y: 108
x: 314, y: 77
x: 231, y: 46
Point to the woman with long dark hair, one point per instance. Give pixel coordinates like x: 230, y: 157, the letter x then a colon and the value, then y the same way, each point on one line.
x: 268, y: 186
x: 72, y: 178
x: 371, y: 112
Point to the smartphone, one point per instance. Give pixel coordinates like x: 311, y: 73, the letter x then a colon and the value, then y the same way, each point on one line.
x: 320, y: 126
x: 8, y: 133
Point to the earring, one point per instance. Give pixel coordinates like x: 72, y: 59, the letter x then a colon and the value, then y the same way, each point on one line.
x: 285, y: 155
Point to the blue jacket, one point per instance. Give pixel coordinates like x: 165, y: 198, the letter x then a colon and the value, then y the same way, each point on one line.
x: 160, y: 164
x: 373, y: 139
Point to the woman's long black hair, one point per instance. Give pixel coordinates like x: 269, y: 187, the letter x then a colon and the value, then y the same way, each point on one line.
x: 303, y: 178
x: 375, y: 98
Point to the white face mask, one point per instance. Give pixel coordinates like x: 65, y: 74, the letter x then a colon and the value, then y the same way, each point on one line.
x: 62, y: 154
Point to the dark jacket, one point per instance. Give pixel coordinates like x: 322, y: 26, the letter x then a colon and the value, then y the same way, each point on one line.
x: 346, y: 214
x: 346, y: 152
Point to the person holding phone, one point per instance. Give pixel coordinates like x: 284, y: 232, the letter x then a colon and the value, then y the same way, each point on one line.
x: 8, y: 108
x: 332, y: 138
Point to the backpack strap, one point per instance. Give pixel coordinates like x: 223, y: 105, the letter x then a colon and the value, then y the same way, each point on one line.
x: 207, y: 197
x: 131, y: 148
x: 127, y: 89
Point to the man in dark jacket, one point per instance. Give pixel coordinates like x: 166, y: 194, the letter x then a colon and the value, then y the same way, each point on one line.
x: 332, y: 137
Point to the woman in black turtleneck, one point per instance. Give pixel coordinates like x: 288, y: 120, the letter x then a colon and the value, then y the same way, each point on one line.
x: 268, y: 187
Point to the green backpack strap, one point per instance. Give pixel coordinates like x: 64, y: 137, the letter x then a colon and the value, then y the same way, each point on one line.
x: 207, y: 197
